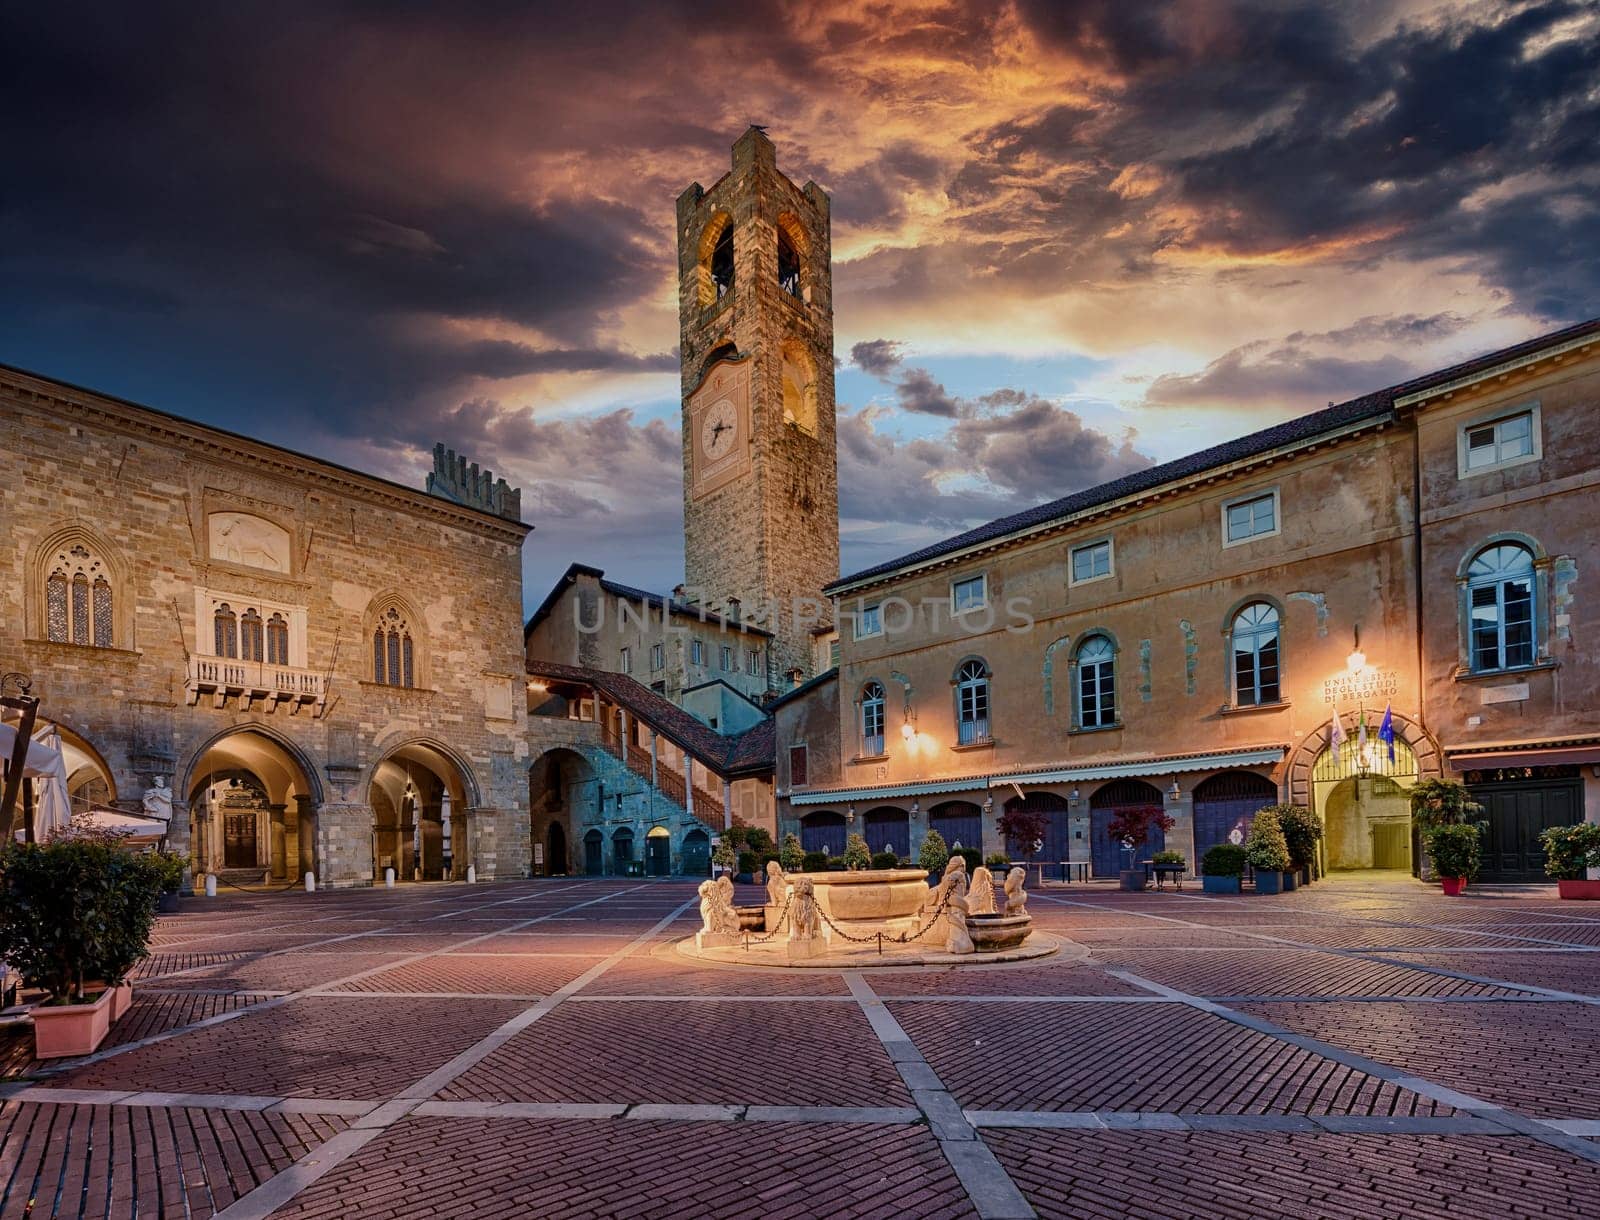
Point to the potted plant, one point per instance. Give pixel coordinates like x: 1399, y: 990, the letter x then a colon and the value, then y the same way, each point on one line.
x: 1455, y: 851
x: 748, y: 867
x: 885, y: 859
x: 1131, y: 827
x: 791, y: 856
x: 1023, y: 829
x: 997, y: 862
x: 171, y: 865
x: 933, y: 855
x: 1267, y: 851
x: 814, y: 862
x: 722, y: 856
x: 1221, y: 868
x: 1569, y: 853
x: 857, y: 856
x: 75, y: 917
x: 1439, y: 802
x: 1302, y: 831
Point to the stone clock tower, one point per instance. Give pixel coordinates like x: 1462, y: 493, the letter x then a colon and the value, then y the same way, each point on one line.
x: 760, y: 473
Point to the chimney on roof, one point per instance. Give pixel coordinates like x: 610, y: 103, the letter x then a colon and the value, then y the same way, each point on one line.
x: 733, y: 610
x: 455, y: 479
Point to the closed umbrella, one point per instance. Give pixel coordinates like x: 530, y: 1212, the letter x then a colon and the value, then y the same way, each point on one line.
x: 55, y: 806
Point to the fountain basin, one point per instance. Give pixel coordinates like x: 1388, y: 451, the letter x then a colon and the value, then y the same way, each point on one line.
x: 994, y: 933
x: 870, y: 895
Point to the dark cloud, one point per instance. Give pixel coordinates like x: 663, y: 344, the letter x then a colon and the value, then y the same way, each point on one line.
x: 877, y: 357
x: 920, y: 394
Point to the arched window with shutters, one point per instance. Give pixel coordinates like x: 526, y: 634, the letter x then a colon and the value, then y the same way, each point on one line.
x: 1097, y: 683
x: 225, y: 631
x: 1254, y: 645
x: 972, y: 702
x: 252, y: 639
x: 80, y: 598
x: 872, y: 706
x: 1502, y: 604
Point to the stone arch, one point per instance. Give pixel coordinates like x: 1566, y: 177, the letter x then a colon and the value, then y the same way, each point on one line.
x: 793, y: 254
x: 562, y: 788
x: 799, y: 384
x: 709, y: 268
x: 253, y: 795
x: 63, y: 538
x: 391, y: 613
x: 1049, y: 672
x: 472, y: 792
x: 1514, y: 537
x: 423, y: 796
x: 283, y: 741
x: 1294, y: 772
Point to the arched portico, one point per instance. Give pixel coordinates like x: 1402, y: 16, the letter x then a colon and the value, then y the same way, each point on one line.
x: 422, y: 796
x: 252, y: 797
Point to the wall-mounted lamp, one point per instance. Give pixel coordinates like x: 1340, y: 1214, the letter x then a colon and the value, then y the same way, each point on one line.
x: 1074, y: 794
x: 1357, y: 660
x: 1174, y: 793
x: 849, y: 813
x: 908, y: 730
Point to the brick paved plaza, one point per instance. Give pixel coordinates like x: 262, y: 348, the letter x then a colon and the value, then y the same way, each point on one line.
x: 1365, y: 1048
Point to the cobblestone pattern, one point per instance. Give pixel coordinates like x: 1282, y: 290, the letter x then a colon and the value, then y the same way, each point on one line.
x: 498, y: 974
x: 1575, y: 972
x: 118, y: 1162
x: 1226, y: 1176
x: 1288, y: 973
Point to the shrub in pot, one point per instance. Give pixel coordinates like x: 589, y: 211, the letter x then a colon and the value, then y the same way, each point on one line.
x: 814, y: 862
x: 1221, y: 868
x: 75, y: 917
x: 1302, y: 831
x: 934, y: 854
x: 749, y: 865
x: 885, y: 859
x: 1456, y: 852
x: 1267, y: 851
x: 857, y: 857
x: 997, y: 860
x: 722, y: 855
x: 171, y: 865
x: 791, y: 856
x: 1569, y: 853
x: 758, y: 841
x: 1439, y: 802
x: 835, y: 864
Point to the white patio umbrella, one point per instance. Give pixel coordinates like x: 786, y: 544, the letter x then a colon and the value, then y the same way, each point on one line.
x: 39, y: 760
x: 54, y: 811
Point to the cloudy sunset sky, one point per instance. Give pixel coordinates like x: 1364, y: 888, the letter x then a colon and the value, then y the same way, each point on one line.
x: 1070, y: 238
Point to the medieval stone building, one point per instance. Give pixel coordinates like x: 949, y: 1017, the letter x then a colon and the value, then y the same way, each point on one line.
x: 320, y: 666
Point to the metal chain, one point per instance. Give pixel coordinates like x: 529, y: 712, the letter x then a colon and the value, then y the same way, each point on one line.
x: 878, y: 937
x: 782, y: 919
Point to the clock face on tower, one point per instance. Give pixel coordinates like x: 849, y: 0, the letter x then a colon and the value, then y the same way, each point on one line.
x: 719, y: 430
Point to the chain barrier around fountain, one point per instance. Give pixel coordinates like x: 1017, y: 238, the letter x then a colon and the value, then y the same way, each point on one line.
x: 869, y: 917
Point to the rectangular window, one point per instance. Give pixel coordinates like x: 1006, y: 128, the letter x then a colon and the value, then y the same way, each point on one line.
x: 833, y: 654
x: 797, y: 766
x: 658, y: 656
x: 1495, y: 443
x: 868, y: 622
x: 697, y: 652
x: 1091, y: 561
x: 752, y: 661
x: 727, y: 658
x: 1252, y: 517
x: 969, y: 594
x: 623, y: 659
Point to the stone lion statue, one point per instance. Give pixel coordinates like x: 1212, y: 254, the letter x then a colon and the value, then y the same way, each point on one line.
x: 981, y: 899
x: 805, y: 922
x: 717, y: 915
x: 777, y: 884
x: 1016, y: 896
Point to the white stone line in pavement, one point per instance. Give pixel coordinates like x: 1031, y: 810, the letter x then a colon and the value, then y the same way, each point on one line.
x: 276, y: 1001
x: 282, y: 1187
x: 717, y: 999
x: 1453, y: 1098
x: 990, y: 1188
x: 1344, y: 1124
x: 349, y: 1107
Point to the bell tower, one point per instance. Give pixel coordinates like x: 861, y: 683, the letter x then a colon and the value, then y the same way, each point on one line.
x: 760, y: 469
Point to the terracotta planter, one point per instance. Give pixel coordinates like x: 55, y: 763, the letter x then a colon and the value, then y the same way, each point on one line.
x: 73, y: 1029
x: 1453, y: 885
x: 121, y: 1001
x: 1579, y: 889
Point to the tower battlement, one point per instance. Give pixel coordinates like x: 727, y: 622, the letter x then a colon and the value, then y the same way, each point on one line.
x: 454, y: 478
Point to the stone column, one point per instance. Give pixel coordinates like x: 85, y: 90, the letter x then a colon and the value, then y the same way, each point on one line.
x: 179, y: 840
x: 344, y: 844
x: 305, y: 835
x: 502, y: 847
x: 990, y: 827
x: 1079, y: 845
x: 277, y: 841
x: 727, y: 805
x: 688, y: 784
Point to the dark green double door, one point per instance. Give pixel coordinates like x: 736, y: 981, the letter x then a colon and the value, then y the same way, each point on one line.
x: 1517, y: 812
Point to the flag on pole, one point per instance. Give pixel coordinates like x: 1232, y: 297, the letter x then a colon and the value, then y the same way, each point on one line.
x: 1361, y: 738
x: 1336, y: 735
x: 1386, y: 729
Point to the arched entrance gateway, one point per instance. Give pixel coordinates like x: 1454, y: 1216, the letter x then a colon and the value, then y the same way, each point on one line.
x: 563, y: 805
x: 658, y: 851
x: 823, y: 831
x: 1225, y: 805
x: 1052, y: 847
x: 958, y: 822
x: 421, y: 798
x: 252, y: 807
x: 1108, y: 857
x: 1361, y: 795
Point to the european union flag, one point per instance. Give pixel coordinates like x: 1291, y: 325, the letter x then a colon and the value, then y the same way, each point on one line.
x: 1386, y: 729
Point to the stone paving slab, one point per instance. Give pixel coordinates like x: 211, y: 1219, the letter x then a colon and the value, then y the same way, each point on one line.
x: 1050, y: 980
x: 279, y: 972
x: 1564, y: 971
x: 1158, y: 1057
x: 654, y: 975
x: 1219, y: 1174
x: 429, y: 1168
x: 495, y: 975
x: 1291, y: 972
x: 1535, y: 1059
x: 321, y: 1046
x: 704, y: 1053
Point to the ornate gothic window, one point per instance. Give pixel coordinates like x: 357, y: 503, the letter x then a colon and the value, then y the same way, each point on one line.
x: 277, y: 640
x: 251, y: 636
x: 972, y: 702
x: 1097, y: 683
x: 225, y: 631
x: 872, y: 719
x: 393, y: 653
x: 1255, y: 655
x: 79, y: 607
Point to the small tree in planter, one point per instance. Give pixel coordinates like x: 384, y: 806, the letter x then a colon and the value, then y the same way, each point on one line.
x: 857, y: 855
x: 935, y: 852
x: 1022, y: 828
x: 75, y: 916
x: 1569, y: 853
x: 723, y: 855
x: 1302, y: 831
x: 170, y: 864
x: 1439, y: 802
x: 1267, y: 851
x: 791, y: 856
x: 1456, y: 852
x: 814, y: 862
x: 1132, y: 827
x: 1221, y: 868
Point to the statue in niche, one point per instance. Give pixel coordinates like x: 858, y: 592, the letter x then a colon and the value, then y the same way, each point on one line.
x: 981, y: 899
x: 777, y: 884
x: 157, y: 800
x: 1016, y: 896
